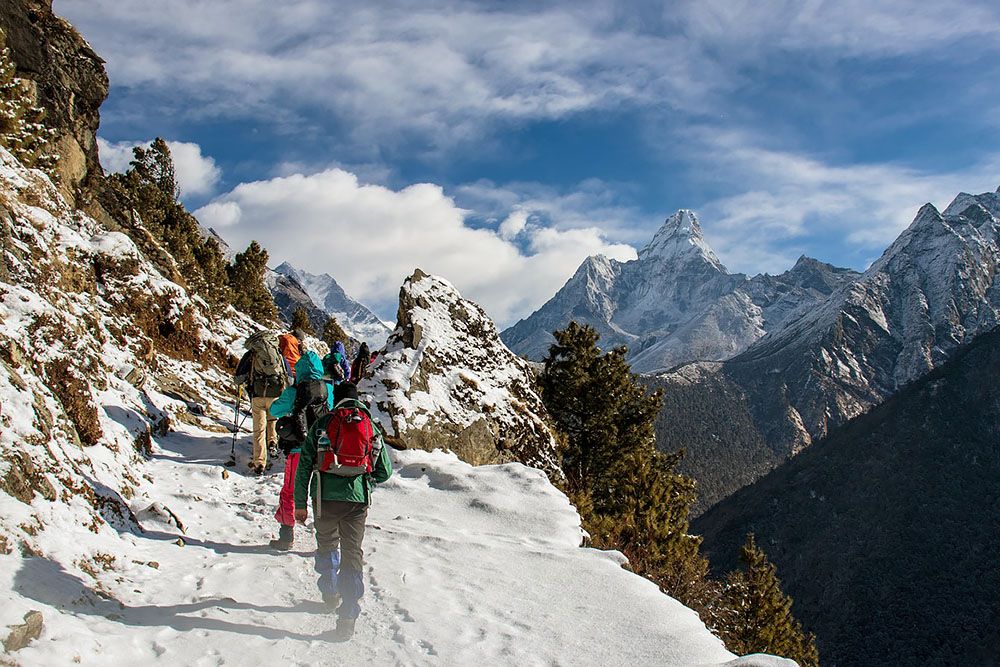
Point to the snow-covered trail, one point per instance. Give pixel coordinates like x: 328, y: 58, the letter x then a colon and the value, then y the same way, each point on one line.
x: 463, y: 566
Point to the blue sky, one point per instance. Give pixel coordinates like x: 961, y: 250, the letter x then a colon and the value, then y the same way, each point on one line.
x: 498, y: 144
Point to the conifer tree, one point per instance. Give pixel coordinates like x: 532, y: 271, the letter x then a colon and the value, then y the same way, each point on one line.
x: 300, y: 320
x: 21, y: 129
x: 332, y: 332
x: 246, y: 279
x: 630, y: 495
x: 760, y: 615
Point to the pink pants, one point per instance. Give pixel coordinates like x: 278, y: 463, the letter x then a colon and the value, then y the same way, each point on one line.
x: 286, y: 500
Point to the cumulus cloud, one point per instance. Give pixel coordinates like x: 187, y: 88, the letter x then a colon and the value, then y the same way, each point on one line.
x: 197, y: 174
x: 370, y: 237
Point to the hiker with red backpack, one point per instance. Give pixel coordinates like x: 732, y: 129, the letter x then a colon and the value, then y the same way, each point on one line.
x: 345, y: 456
x: 298, y: 408
x: 265, y: 374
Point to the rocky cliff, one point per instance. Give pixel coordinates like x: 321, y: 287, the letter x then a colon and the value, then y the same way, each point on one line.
x: 447, y: 381
x: 69, y: 82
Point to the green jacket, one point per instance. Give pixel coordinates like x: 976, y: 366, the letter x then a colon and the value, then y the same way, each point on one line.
x: 355, y: 489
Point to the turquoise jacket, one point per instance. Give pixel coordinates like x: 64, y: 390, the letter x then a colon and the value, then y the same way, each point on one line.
x: 357, y: 489
x: 308, y: 367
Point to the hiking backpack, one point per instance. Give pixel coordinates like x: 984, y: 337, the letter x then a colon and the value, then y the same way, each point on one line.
x: 268, y: 364
x: 310, y: 404
x: 350, y: 443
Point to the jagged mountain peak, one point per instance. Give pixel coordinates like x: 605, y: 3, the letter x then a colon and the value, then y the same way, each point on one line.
x: 356, y: 319
x: 680, y: 236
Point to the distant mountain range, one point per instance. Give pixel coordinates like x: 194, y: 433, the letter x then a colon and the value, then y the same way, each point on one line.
x: 327, y: 297
x: 886, y: 532
x: 676, y: 302
x: 936, y: 287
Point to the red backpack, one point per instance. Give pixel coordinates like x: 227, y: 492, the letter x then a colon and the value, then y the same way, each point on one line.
x: 350, y: 443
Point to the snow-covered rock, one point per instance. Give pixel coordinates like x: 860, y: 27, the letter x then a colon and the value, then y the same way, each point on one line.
x: 677, y: 302
x: 446, y: 380
x: 356, y: 319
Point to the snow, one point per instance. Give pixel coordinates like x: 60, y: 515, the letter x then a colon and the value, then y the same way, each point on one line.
x: 162, y: 557
x: 464, y: 565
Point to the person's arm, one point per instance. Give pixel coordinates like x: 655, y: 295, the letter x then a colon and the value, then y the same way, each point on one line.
x: 242, y: 374
x: 383, y: 466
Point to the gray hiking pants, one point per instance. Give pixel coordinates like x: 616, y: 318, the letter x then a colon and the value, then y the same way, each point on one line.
x: 341, y: 525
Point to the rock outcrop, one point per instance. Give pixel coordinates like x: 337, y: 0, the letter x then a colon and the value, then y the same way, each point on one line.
x: 447, y: 381
x: 69, y: 82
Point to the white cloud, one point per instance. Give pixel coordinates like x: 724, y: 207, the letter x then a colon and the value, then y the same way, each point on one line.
x: 196, y: 174
x: 790, y: 201
x: 370, y: 237
x: 444, y: 71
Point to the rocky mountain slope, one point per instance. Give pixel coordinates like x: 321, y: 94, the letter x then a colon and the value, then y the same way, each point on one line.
x: 935, y: 288
x: 676, y: 302
x: 289, y: 296
x: 357, y: 320
x: 446, y: 380
x: 886, y: 532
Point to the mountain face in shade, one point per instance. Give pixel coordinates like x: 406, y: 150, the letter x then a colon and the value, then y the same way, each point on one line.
x: 676, y: 302
x: 357, y: 320
x: 935, y: 288
x: 885, y: 533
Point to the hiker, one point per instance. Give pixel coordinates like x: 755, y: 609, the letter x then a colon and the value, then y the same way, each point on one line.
x: 265, y: 374
x: 360, y: 365
x: 345, y: 453
x: 335, y: 364
x: 298, y: 408
x: 290, y: 344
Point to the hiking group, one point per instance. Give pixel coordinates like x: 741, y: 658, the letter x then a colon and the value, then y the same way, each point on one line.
x: 310, y: 409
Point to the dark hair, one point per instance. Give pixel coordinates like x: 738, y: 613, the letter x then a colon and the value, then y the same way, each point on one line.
x: 344, y: 390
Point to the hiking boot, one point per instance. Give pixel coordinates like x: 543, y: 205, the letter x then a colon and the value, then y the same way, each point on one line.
x: 345, y: 629
x: 286, y: 535
x: 257, y: 469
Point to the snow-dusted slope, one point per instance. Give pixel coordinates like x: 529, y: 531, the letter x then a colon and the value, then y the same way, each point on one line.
x: 676, y: 302
x: 357, y: 320
x: 446, y: 380
x: 464, y: 566
x: 121, y: 530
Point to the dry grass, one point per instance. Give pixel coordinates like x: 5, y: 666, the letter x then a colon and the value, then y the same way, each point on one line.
x: 74, y: 394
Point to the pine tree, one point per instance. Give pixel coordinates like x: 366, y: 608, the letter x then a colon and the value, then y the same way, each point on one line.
x: 629, y: 495
x: 22, y: 131
x: 246, y: 279
x: 332, y: 332
x: 300, y: 320
x: 759, y: 615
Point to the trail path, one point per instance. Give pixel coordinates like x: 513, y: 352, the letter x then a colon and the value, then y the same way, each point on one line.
x: 463, y: 566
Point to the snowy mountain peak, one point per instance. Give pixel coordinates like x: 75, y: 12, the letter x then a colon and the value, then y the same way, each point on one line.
x: 356, y: 319
x: 680, y: 236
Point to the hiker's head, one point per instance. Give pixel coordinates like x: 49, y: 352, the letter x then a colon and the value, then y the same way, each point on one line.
x: 344, y: 390
x: 300, y: 334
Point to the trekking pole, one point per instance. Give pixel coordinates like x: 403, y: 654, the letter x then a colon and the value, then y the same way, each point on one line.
x: 236, y: 427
